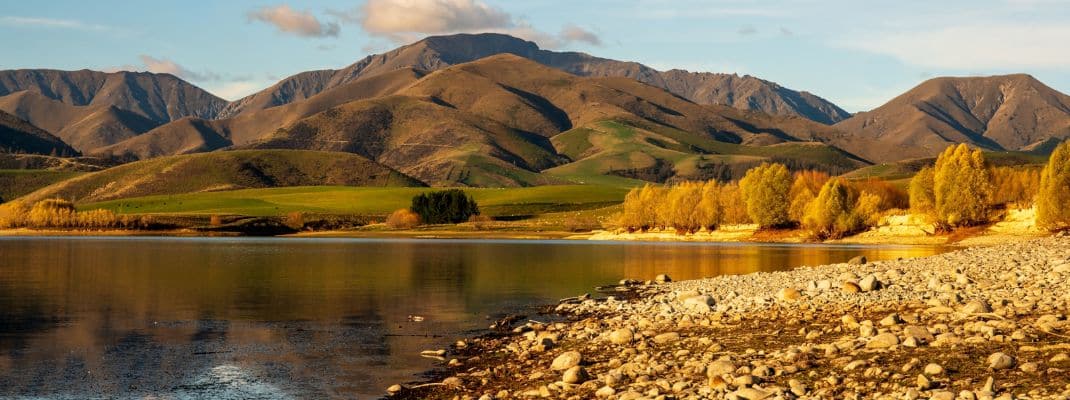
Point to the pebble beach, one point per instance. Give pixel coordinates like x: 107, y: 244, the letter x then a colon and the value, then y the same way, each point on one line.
x: 979, y: 323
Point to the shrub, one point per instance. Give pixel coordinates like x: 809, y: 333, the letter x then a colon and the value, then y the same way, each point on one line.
x: 962, y: 187
x: 451, y: 206
x: 922, y: 198
x: 766, y: 190
x: 403, y: 219
x: 480, y: 222
x: 294, y: 219
x: 1053, y: 197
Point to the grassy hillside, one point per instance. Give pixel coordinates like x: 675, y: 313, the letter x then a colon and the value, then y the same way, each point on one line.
x: 18, y: 182
x: 365, y: 200
x: 218, y: 171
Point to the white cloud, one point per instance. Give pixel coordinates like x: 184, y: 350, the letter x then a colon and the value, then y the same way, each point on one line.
x: 402, y: 21
x: 52, y: 23
x: 574, y: 33
x: 388, y: 17
x: 235, y: 90
x: 968, y: 47
x: 166, y: 66
x: 288, y: 20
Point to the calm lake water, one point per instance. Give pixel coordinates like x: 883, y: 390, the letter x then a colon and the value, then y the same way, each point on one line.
x: 300, y: 318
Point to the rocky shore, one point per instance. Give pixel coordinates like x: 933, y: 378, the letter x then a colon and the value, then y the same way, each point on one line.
x: 980, y: 323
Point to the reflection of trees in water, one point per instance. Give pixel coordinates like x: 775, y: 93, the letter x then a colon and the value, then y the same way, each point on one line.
x: 325, y: 318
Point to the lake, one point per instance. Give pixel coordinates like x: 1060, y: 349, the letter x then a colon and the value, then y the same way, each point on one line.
x: 237, y: 318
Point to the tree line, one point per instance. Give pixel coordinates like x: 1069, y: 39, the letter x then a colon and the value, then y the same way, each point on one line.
x: 57, y: 213
x: 961, y: 189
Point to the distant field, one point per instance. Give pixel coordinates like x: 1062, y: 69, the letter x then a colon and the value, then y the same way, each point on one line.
x: 376, y: 201
x: 17, y: 182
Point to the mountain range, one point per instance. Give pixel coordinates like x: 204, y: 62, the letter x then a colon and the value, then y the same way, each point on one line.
x: 493, y: 110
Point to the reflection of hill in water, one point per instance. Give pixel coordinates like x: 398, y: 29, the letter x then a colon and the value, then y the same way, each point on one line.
x: 229, y: 318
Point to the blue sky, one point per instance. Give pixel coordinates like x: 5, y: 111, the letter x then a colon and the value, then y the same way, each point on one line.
x: 858, y: 54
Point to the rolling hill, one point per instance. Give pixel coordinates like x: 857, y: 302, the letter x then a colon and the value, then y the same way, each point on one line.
x: 491, y: 122
x: 996, y: 113
x: 91, y: 109
x: 220, y: 171
x: 438, y: 52
x: 18, y: 136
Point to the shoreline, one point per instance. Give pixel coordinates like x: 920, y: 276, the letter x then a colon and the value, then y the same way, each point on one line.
x: 982, y: 323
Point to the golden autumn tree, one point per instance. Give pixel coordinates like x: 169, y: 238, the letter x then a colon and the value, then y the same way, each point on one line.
x: 1053, y: 197
x: 733, y: 207
x: 804, y: 189
x: 830, y: 215
x: 679, y: 210
x: 962, y: 187
x: 710, y: 211
x: 922, y: 198
x: 766, y: 191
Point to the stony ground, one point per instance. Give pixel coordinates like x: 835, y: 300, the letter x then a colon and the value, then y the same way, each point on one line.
x: 981, y: 323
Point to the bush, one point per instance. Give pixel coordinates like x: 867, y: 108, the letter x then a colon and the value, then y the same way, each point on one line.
x: 962, y: 188
x: 294, y: 219
x: 766, y: 191
x: 451, y: 206
x: 1053, y: 197
x: 922, y: 198
x: 403, y: 219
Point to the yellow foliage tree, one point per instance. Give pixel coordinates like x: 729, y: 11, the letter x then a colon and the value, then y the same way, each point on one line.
x: 840, y: 210
x: 828, y: 216
x: 962, y: 187
x: 710, y: 211
x: 766, y: 191
x: 1053, y: 197
x: 1015, y: 186
x: 733, y: 206
x: 680, y: 208
x: 803, y: 190
x: 922, y: 198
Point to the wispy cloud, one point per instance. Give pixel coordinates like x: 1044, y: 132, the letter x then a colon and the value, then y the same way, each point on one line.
x: 968, y: 47
x: 574, y: 33
x: 290, y: 21
x: 53, y: 23
x: 166, y: 66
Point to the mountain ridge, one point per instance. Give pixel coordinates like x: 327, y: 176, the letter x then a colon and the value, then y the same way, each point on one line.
x: 437, y: 52
x: 1014, y: 112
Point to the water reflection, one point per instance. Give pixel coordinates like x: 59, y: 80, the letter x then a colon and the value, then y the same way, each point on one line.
x: 277, y: 318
